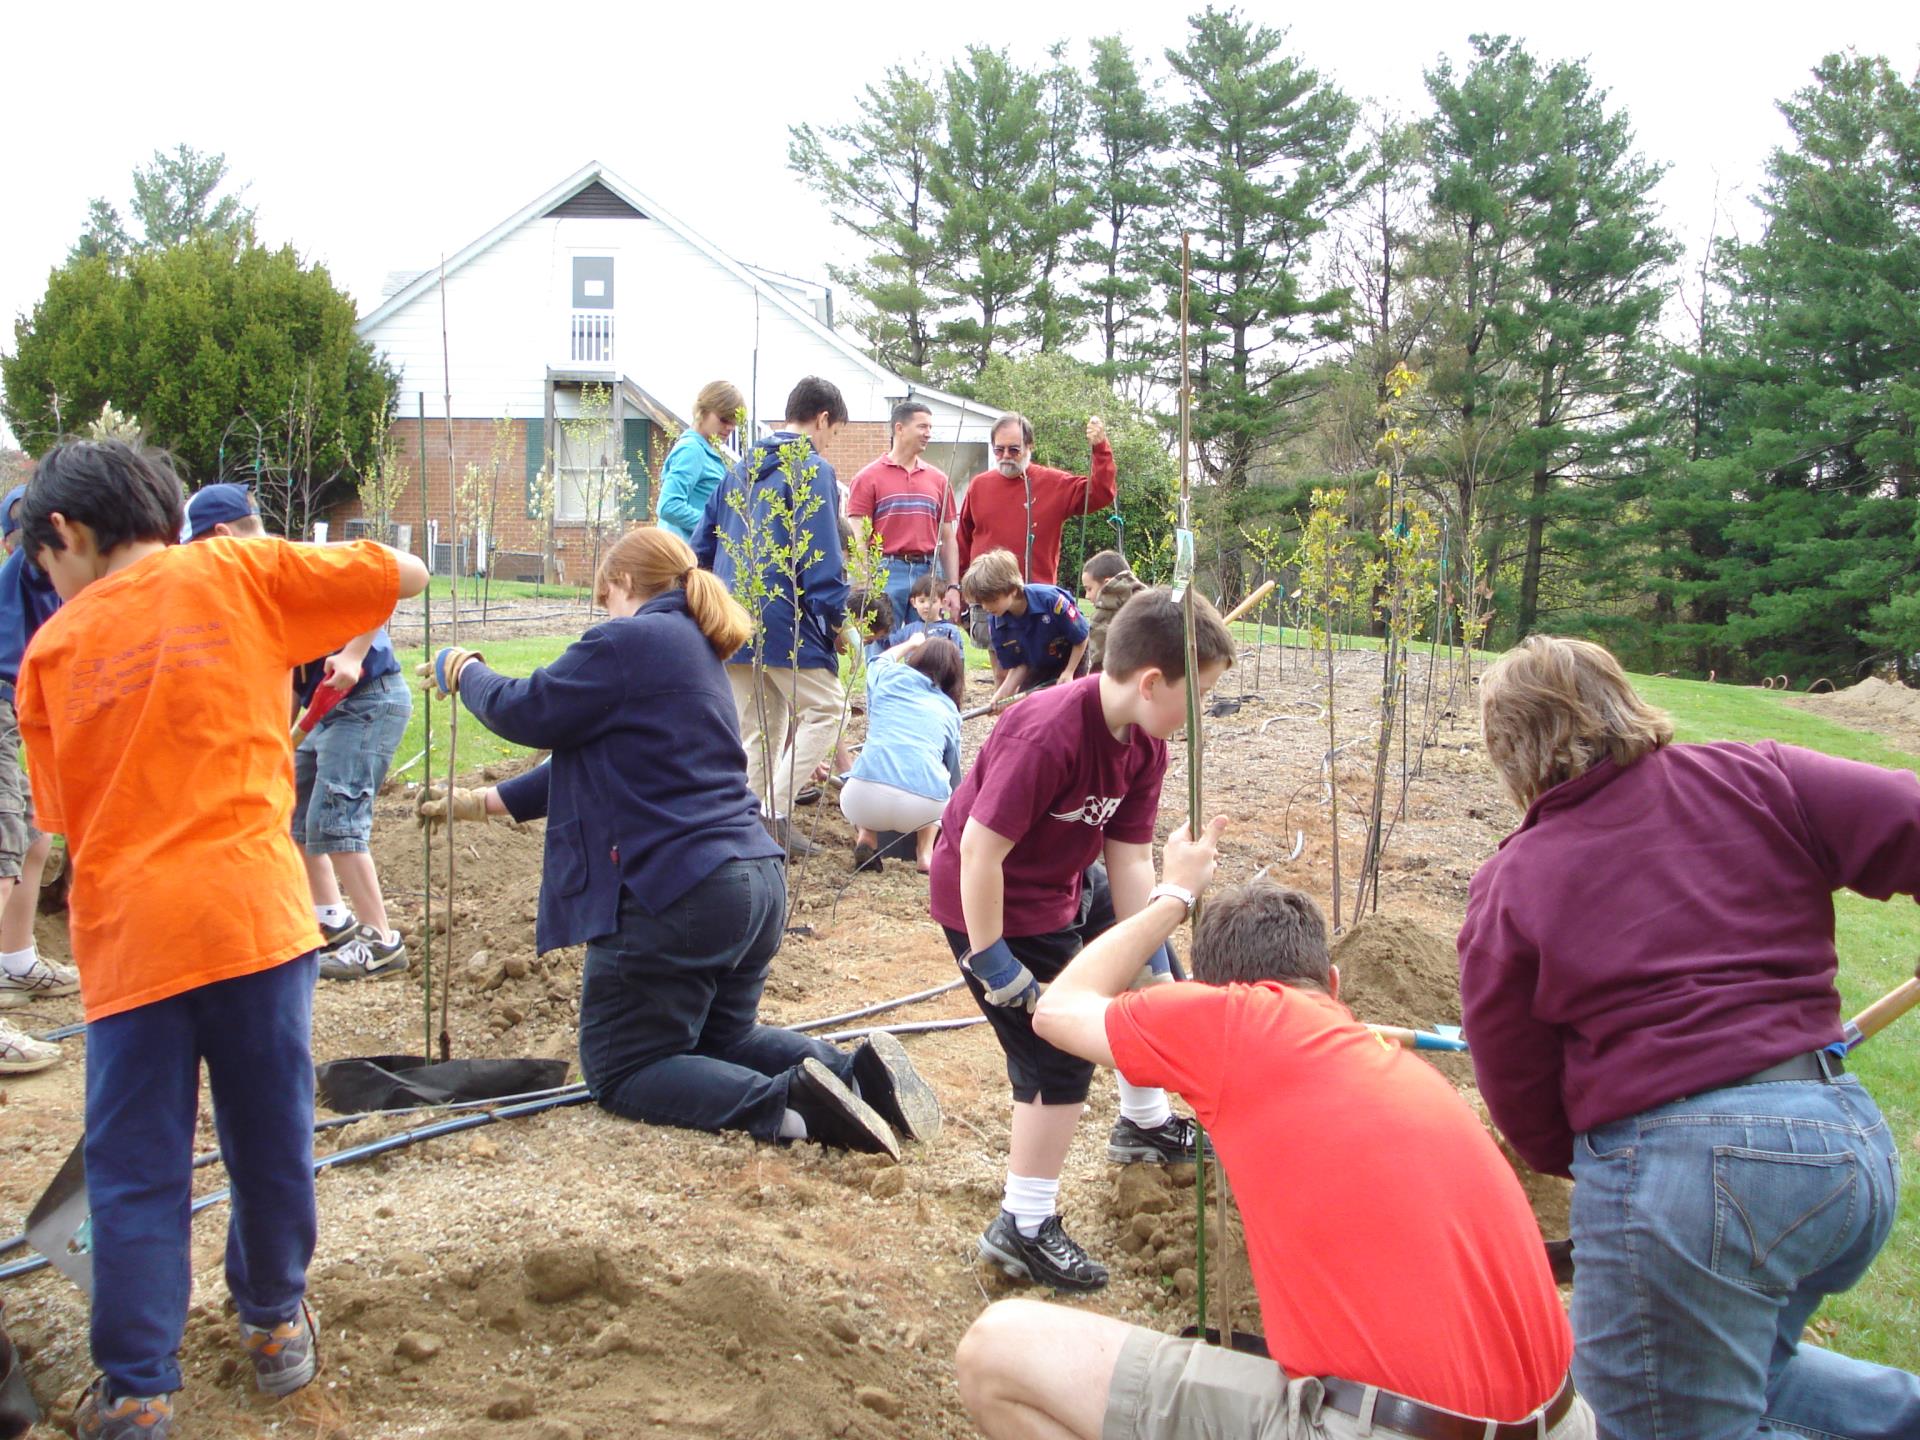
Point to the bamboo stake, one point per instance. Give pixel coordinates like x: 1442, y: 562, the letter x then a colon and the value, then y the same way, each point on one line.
x: 453, y: 634
x: 426, y: 727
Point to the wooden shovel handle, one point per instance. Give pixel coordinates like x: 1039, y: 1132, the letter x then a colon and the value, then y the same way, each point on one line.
x: 1266, y: 589
x: 1887, y: 1009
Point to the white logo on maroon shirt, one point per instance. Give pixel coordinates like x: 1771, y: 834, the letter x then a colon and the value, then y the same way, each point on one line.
x: 1095, y: 812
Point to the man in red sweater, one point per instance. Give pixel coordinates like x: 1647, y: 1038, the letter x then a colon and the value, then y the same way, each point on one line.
x: 1022, y: 507
x: 1402, y: 1283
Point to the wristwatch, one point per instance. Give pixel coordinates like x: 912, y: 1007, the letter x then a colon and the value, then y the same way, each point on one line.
x: 1176, y: 892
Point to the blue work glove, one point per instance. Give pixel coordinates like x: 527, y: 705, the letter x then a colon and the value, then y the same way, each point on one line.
x: 1000, y: 973
x: 1158, y: 970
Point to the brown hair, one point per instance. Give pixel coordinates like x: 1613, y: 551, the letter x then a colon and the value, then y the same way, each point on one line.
x: 1551, y: 709
x: 990, y: 576
x: 940, y: 660
x: 1149, y: 632
x: 647, y: 560
x: 1104, y: 565
x: 1261, y: 931
x: 721, y: 398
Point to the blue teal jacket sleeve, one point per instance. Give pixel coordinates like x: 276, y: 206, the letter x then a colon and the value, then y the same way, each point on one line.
x: 823, y: 583
x: 525, y: 795
x: 568, y: 703
x: 680, y: 500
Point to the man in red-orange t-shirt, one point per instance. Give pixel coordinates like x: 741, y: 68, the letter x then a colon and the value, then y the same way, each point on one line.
x: 1021, y: 506
x: 1402, y: 1283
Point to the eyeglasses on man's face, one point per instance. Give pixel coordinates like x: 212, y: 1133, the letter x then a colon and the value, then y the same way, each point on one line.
x: 1008, y: 452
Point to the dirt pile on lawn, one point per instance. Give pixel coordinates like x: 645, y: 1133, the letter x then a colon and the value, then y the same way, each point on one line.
x: 1890, y: 711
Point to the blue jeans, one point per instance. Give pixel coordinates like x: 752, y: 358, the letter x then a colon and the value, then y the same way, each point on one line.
x: 143, y: 1095
x: 899, y: 584
x: 670, y: 1006
x: 1706, y: 1232
x: 337, y: 769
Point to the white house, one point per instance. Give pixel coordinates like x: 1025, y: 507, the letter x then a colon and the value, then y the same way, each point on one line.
x: 594, y: 284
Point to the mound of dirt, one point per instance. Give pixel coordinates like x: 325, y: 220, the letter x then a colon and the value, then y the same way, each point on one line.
x: 1890, y: 711
x: 1395, y: 971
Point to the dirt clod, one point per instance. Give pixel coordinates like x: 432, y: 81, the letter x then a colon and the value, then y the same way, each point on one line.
x: 881, y: 1402
x: 419, y: 1345
x: 1396, y: 971
x: 516, y: 1401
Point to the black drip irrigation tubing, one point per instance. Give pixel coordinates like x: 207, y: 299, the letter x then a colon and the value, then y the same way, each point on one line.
x: 532, y: 1102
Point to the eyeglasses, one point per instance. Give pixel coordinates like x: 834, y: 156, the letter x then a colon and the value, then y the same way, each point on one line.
x: 1008, y: 452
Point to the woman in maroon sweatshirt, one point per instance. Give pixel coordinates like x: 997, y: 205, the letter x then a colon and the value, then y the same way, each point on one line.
x: 1647, y: 968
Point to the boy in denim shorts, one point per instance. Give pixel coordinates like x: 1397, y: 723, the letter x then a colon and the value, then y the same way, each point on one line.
x: 337, y: 770
x: 26, y: 600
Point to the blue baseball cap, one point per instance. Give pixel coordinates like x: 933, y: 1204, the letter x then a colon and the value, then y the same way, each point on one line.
x: 8, y: 523
x: 220, y: 504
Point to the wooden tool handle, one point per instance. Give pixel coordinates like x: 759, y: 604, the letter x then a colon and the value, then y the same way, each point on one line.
x: 1266, y: 589
x: 1887, y: 1009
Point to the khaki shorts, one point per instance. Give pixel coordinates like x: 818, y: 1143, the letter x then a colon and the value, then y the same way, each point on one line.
x: 1164, y: 1387
x: 16, y: 805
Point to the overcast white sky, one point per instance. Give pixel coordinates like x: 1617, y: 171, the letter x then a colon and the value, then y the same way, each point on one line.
x: 377, y: 137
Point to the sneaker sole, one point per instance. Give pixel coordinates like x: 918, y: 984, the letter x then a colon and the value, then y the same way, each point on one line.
x: 281, y: 1386
x: 27, y: 1067
x: 375, y: 972
x: 853, y: 1108
x: 919, y: 1108
x: 1144, y: 1155
x: 1014, y: 1268
x: 13, y: 996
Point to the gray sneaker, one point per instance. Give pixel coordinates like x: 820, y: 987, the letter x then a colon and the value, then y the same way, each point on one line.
x: 366, y: 956
x: 43, y: 980
x: 285, y: 1356
x: 131, y: 1417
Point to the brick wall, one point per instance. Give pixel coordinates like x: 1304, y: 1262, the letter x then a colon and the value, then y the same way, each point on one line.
x: 856, y: 446
x: 474, y: 443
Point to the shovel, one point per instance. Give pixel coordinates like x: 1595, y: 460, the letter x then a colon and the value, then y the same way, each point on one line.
x: 57, y: 1226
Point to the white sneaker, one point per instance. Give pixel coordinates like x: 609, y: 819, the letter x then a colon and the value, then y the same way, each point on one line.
x: 21, y: 1054
x: 43, y: 980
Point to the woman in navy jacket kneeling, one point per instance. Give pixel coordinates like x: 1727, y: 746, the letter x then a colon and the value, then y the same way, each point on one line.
x: 656, y: 859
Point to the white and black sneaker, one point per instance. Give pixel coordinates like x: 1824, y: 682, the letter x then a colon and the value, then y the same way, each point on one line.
x: 365, y: 955
x: 41, y: 980
x: 332, y: 937
x: 1052, y: 1257
x: 885, y: 1078
x: 835, y: 1115
x: 1171, y: 1142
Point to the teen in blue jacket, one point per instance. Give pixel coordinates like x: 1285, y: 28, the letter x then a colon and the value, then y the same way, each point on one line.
x: 777, y: 514
x: 656, y: 860
x: 696, y: 464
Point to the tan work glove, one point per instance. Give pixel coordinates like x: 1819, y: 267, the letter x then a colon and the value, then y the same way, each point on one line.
x: 441, y: 674
x: 433, y: 808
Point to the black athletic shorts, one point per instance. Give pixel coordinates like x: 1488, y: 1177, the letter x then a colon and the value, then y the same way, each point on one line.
x: 1035, y: 1069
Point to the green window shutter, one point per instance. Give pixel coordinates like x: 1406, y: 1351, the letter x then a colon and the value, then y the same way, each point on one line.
x: 638, y: 451
x: 536, y: 458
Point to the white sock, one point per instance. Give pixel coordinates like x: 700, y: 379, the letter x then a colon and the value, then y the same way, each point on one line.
x: 792, y: 1126
x: 1030, y: 1201
x: 1145, y: 1105
x: 332, y: 915
x: 19, y: 962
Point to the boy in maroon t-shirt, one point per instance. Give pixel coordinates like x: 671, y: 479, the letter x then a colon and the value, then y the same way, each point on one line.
x: 1071, y: 775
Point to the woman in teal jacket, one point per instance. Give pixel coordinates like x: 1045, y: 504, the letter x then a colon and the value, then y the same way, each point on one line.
x: 696, y: 462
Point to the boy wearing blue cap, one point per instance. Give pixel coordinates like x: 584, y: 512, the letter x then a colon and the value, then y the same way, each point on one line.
x: 27, y: 598
x: 337, y: 769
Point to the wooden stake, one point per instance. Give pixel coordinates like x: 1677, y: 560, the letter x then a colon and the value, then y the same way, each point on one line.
x: 426, y: 730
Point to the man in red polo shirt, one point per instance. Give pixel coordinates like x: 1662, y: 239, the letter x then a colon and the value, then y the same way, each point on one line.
x: 1402, y: 1283
x: 910, y: 504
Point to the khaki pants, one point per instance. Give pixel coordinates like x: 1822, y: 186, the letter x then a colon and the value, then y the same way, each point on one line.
x: 1169, y: 1389
x: 811, y: 700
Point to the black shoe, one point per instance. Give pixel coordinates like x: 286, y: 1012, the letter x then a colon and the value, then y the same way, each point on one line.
x: 835, y: 1115
x: 808, y: 796
x: 866, y: 857
x: 887, y: 1081
x: 1169, y: 1143
x: 1050, y: 1258
x: 789, y: 837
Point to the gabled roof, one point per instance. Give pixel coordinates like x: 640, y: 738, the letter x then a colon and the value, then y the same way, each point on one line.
x: 596, y: 174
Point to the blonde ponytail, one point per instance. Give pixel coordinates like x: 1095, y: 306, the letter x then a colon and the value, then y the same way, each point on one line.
x: 648, y: 560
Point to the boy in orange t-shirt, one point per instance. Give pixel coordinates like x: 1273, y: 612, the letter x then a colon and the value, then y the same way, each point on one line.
x: 153, y: 706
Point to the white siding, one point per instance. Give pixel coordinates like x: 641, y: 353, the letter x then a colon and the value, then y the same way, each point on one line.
x: 681, y: 318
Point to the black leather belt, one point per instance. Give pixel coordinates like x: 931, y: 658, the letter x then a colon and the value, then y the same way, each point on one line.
x: 1411, y: 1417
x: 1814, y: 1065
x: 913, y: 557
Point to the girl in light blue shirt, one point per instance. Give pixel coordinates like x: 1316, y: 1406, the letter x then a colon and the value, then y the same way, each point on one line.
x: 697, y: 462
x: 911, y: 761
